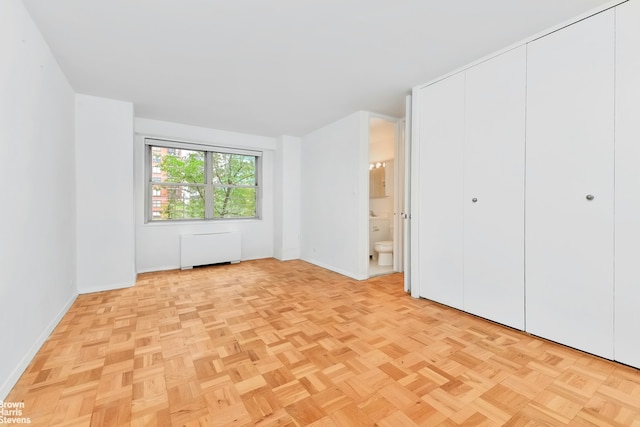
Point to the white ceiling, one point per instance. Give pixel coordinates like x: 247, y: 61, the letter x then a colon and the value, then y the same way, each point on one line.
x: 275, y: 67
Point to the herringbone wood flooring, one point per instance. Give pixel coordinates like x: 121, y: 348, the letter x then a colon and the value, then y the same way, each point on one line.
x: 270, y: 343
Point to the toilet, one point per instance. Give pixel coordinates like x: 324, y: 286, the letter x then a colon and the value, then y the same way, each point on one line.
x: 385, y: 252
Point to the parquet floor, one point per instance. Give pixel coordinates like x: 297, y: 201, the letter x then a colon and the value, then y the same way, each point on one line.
x: 268, y: 343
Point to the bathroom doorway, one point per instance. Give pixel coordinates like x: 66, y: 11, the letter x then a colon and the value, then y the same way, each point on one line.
x: 385, y: 180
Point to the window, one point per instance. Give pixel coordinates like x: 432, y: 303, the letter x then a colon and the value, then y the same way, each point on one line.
x: 234, y: 185
x: 201, y: 182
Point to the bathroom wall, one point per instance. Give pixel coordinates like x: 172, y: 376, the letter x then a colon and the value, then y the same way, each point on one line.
x: 382, y: 134
x: 382, y: 206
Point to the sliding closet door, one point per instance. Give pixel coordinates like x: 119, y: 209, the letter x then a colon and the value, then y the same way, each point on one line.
x: 627, y: 309
x: 494, y: 189
x: 440, y: 142
x: 569, y: 185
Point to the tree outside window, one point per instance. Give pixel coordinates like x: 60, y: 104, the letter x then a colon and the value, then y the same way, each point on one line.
x: 197, y: 184
x: 234, y: 181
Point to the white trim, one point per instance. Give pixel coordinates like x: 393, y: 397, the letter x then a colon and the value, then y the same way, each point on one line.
x: 22, y: 366
x: 398, y: 197
x: 366, y: 131
x: 288, y: 255
x: 177, y: 266
x: 363, y: 199
x: 336, y: 270
x: 406, y: 208
x: 157, y: 269
x: 112, y: 287
x: 149, y: 143
x: 384, y: 117
x: 414, y: 196
x: 187, y: 145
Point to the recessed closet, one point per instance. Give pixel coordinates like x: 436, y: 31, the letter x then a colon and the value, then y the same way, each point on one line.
x: 526, y: 207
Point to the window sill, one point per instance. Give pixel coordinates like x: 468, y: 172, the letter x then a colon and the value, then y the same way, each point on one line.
x: 200, y: 222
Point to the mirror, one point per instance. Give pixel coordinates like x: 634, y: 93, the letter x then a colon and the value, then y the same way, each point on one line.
x: 377, y: 182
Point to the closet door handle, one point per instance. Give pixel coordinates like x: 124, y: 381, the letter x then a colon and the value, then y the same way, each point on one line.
x: 590, y: 197
x: 475, y: 199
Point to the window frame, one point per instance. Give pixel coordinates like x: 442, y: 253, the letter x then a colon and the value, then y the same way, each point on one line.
x: 208, y: 185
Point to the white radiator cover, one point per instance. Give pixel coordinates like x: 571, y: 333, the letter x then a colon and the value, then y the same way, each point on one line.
x: 210, y: 248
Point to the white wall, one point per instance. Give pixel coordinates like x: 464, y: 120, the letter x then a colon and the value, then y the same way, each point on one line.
x: 287, y: 198
x: 37, y: 233
x: 335, y: 196
x: 104, y: 194
x: 158, y: 244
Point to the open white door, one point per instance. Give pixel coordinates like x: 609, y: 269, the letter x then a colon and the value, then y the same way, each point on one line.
x: 398, y: 201
x: 404, y: 158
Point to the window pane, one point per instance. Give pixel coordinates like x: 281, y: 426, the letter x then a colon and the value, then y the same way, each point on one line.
x: 179, y: 166
x: 183, y: 180
x: 179, y: 202
x: 233, y: 169
x: 234, y: 202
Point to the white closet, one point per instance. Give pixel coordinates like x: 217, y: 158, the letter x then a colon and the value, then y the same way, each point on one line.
x: 440, y: 240
x: 494, y: 189
x: 627, y: 250
x: 569, y: 184
x: 472, y: 217
x: 554, y: 250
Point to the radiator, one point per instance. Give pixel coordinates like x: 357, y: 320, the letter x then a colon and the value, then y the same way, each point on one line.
x: 211, y: 248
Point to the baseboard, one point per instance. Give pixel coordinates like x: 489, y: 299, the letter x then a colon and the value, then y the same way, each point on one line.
x: 156, y: 269
x: 112, y: 287
x: 334, y: 269
x: 177, y: 266
x: 15, y: 375
x: 288, y: 255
